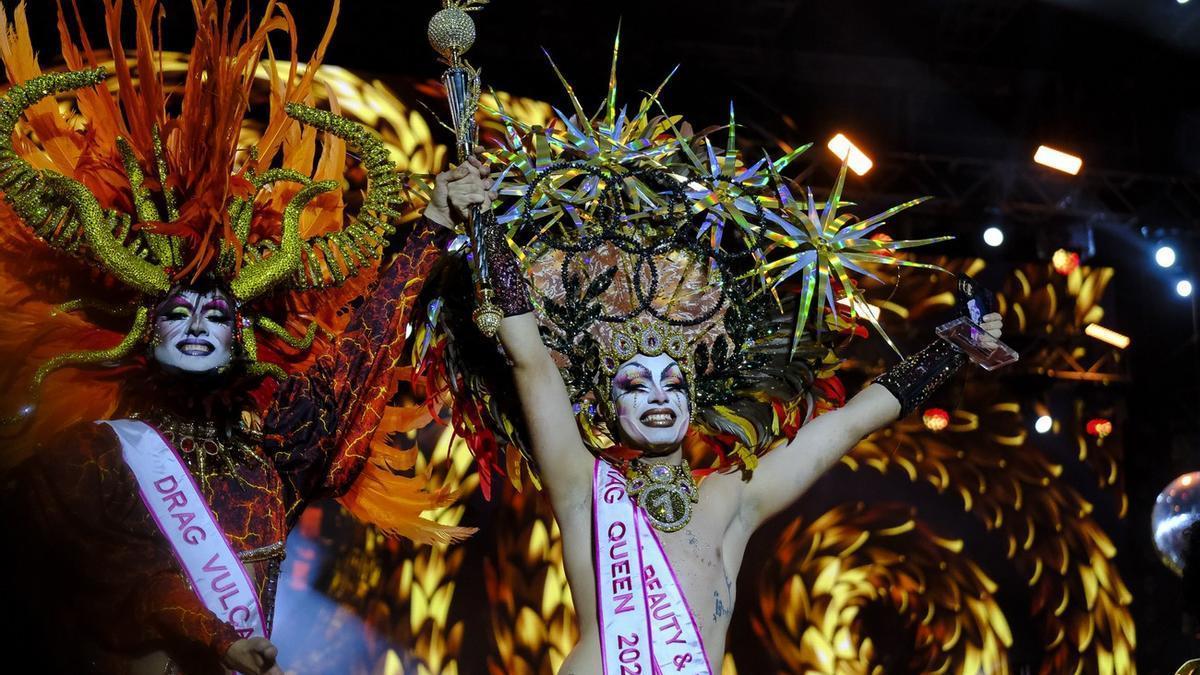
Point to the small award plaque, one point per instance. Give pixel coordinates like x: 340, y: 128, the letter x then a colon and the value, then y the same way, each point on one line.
x: 965, y: 332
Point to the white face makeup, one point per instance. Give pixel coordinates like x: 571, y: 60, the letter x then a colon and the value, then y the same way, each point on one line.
x: 651, y: 399
x: 194, y: 331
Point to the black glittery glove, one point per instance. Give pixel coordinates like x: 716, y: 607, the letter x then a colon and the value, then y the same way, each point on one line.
x: 511, y: 293
x: 913, y: 380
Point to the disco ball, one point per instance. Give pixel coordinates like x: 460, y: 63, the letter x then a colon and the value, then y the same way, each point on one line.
x: 1176, y: 510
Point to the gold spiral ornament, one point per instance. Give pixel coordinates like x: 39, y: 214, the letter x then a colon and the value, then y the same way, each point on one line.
x: 832, y: 578
x: 407, y: 590
x: 986, y: 463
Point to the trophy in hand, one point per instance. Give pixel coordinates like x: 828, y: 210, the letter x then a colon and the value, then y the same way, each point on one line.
x: 965, y: 332
x: 452, y: 33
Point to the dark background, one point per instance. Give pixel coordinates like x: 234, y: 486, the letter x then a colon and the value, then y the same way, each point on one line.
x: 951, y: 97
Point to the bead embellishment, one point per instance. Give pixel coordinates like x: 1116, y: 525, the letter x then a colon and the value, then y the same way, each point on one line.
x: 666, y: 493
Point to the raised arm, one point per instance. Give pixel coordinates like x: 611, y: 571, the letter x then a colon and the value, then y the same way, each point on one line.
x: 549, y: 417
x: 319, y: 429
x: 787, y: 472
x: 553, y: 434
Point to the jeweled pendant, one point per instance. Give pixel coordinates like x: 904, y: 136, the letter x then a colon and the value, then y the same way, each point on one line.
x: 665, y: 493
x: 667, y: 506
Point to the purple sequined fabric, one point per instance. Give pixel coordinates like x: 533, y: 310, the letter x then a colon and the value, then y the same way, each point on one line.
x: 512, y: 294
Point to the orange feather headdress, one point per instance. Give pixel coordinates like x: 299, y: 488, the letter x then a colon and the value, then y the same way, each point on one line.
x: 148, y: 186
x: 122, y: 178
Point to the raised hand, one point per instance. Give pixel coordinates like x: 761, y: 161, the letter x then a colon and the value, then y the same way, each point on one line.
x: 459, y: 189
x: 252, y: 656
x: 992, y: 324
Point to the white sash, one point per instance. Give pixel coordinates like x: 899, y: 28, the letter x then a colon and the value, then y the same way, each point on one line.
x: 172, y: 497
x: 646, y: 626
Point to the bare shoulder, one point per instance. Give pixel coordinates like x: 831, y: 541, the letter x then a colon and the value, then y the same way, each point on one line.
x: 723, y: 491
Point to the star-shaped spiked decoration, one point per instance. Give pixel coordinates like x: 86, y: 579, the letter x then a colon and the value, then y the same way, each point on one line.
x: 823, y: 247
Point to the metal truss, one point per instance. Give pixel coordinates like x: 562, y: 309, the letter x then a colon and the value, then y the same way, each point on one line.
x: 1026, y: 193
x: 1064, y: 362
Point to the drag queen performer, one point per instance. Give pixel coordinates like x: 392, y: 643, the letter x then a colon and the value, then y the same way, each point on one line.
x: 176, y: 343
x: 642, y: 274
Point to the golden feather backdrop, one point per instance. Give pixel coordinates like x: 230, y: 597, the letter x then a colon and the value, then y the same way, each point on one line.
x: 978, y: 548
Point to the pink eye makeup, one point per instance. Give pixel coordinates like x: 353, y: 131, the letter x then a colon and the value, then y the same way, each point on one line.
x: 217, y: 304
x: 632, y: 378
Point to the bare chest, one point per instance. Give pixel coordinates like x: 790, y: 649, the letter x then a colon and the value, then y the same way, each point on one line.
x: 702, y: 560
x: 705, y: 571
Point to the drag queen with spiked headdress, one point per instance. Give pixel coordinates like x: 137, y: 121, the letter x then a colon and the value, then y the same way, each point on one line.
x: 650, y: 377
x: 180, y: 362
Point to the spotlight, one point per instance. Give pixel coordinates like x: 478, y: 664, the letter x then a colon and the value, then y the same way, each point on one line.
x: 993, y: 236
x: 936, y: 419
x: 1057, y: 159
x: 1103, y: 334
x: 1164, y: 256
x: 1044, y: 424
x: 1064, y: 261
x: 850, y: 154
x: 1182, y: 2
x: 1184, y: 288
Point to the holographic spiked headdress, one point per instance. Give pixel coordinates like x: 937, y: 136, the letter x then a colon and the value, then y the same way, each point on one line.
x: 624, y: 220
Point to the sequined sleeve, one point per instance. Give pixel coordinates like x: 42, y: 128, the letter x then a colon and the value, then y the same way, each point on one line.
x: 320, y: 427
x: 99, y: 558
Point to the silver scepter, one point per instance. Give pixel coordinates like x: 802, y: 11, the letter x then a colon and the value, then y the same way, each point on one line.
x: 452, y: 33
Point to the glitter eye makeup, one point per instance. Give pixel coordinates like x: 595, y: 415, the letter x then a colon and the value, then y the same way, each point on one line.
x: 634, y: 377
x: 651, y: 403
x: 194, y: 332
x: 178, y: 307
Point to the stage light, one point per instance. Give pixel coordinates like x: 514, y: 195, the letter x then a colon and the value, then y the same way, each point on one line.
x: 993, y: 236
x: 1164, y: 256
x: 1184, y: 288
x: 848, y: 152
x: 1044, y: 424
x: 1064, y: 261
x: 1058, y: 160
x: 936, y: 419
x: 1103, y: 334
x: 1100, y: 428
x: 1182, y: 2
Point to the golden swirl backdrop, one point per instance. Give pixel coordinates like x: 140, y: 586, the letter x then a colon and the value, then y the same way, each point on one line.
x: 980, y: 547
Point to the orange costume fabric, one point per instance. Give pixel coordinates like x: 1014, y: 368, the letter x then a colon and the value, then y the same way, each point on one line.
x: 117, y: 591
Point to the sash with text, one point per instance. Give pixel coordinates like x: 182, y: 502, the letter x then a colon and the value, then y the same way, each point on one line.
x: 646, y: 626
x: 174, y: 500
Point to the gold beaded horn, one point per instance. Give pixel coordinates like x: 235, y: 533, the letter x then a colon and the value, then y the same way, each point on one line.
x: 324, y: 261
x: 452, y: 33
x: 328, y: 260
x: 67, y: 216
x: 63, y: 212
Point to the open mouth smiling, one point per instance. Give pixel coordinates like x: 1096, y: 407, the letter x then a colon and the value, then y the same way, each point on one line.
x: 194, y: 347
x: 658, y: 417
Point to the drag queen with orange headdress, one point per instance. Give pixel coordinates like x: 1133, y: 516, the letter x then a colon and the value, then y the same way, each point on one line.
x: 183, y: 371
x: 646, y: 277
